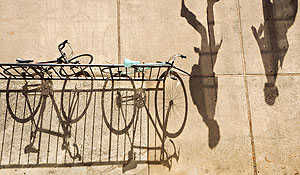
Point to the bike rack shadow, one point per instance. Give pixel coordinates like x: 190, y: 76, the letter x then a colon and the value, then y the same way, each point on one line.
x: 203, y: 82
x: 271, y: 37
x: 48, y: 120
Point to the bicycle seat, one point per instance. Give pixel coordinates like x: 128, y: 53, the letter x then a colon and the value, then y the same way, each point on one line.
x: 128, y: 63
x: 21, y: 60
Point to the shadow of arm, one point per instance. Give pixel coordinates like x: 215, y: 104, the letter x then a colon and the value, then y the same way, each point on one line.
x: 191, y: 19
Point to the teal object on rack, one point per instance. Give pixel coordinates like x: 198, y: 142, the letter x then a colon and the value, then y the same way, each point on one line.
x: 128, y: 63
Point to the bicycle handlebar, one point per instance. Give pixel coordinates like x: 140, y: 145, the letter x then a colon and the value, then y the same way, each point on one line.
x: 174, y: 56
x: 61, y: 46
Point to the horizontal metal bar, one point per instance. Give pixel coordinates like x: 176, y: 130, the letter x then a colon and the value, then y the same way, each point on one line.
x: 84, y: 90
x: 95, y: 79
x: 140, y: 72
x: 83, y: 65
x: 45, y: 165
x: 149, y: 148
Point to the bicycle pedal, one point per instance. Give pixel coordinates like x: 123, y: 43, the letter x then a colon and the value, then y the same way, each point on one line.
x: 30, y: 149
x: 129, y: 165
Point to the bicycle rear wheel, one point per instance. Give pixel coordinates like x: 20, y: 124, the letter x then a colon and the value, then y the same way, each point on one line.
x: 75, y: 70
x: 23, y: 99
x: 76, y: 97
x: 118, y: 103
x: 171, y: 104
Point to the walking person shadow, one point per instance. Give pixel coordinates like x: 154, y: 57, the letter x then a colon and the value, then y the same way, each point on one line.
x: 279, y: 16
x: 203, y: 82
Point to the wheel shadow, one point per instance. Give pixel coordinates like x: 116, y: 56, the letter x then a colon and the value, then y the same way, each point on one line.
x: 72, y: 114
x: 203, y: 82
x: 271, y: 37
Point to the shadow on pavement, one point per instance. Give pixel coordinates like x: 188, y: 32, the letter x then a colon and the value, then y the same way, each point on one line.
x: 203, y: 82
x: 271, y: 37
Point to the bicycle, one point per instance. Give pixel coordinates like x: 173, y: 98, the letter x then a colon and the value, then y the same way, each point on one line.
x: 22, y: 69
x: 34, y: 94
x: 41, y: 72
x: 127, y: 101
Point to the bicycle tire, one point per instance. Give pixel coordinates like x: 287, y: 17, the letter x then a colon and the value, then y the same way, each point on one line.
x: 68, y: 109
x: 170, y: 96
x: 79, y: 59
x: 12, y: 90
x: 125, y: 91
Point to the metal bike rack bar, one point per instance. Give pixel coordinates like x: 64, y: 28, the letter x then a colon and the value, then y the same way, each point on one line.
x: 139, y: 72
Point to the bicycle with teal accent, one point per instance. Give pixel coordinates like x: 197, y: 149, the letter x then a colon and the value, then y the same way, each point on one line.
x: 123, y: 101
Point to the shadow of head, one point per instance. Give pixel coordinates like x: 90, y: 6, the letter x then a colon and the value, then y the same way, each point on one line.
x: 213, y: 132
x: 271, y: 93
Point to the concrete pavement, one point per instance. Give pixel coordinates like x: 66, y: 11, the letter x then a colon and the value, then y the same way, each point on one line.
x: 236, y: 124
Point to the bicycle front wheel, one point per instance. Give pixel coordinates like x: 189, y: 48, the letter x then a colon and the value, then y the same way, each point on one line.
x: 75, y: 70
x: 171, y: 104
x: 23, y: 99
x: 76, y: 97
x: 118, y: 103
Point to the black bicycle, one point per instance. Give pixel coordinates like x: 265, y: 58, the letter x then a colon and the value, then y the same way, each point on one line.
x: 22, y: 70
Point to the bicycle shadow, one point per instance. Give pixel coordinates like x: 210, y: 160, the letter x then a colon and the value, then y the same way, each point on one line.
x: 203, y: 82
x: 67, y: 131
x: 271, y: 37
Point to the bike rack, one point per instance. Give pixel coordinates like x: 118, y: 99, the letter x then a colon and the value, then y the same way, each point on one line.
x: 98, y: 72
x: 139, y: 72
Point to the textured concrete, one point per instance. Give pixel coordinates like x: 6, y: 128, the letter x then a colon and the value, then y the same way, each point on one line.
x: 240, y: 121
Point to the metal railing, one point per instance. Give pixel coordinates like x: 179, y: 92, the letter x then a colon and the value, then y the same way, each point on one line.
x: 28, y: 120
x: 139, y: 72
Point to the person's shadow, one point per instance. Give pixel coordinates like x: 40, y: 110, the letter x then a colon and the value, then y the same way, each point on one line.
x: 279, y: 16
x: 203, y: 82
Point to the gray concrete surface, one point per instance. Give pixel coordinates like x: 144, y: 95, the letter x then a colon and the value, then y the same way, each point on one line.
x: 250, y: 137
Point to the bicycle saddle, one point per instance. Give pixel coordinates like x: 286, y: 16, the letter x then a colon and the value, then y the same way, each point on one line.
x: 128, y: 63
x: 21, y: 60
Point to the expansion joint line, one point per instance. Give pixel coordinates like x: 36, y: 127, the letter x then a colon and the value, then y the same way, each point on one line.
x: 246, y: 91
x: 119, y: 31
